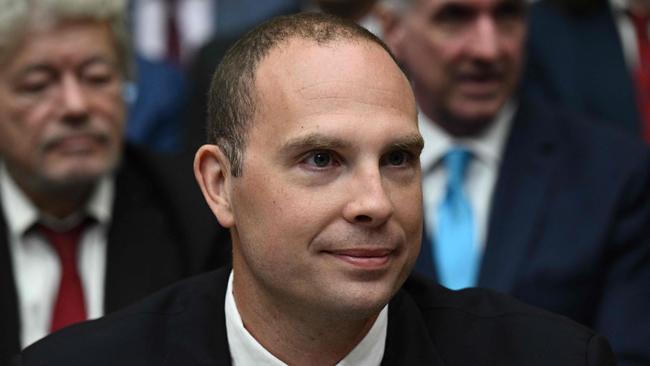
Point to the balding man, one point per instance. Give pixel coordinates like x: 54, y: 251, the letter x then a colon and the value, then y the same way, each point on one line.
x: 314, y: 167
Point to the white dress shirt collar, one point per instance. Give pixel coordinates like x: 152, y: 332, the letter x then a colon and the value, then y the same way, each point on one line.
x: 626, y: 32
x: 36, y: 267
x: 246, y: 351
x: 21, y: 214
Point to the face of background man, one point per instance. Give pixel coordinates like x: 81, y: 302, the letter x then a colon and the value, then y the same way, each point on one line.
x: 61, y: 108
x: 464, y: 57
x: 326, y: 216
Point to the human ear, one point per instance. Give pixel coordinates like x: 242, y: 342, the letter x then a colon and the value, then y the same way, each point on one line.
x: 212, y: 172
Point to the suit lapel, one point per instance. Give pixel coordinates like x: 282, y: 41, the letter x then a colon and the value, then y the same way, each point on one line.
x: 9, y: 319
x: 408, y: 341
x: 518, y: 200
x: 200, y: 337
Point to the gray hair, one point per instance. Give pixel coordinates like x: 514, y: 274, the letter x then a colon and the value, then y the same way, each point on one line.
x: 19, y: 16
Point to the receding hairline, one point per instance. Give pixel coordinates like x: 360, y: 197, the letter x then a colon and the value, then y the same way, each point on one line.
x: 298, y: 44
x: 290, y: 44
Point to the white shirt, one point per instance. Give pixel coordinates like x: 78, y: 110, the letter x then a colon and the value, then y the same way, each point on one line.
x: 626, y: 32
x: 36, y: 266
x: 246, y: 351
x: 481, y: 174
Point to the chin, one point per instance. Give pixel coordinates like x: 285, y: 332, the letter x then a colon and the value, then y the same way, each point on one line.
x: 80, y: 174
x: 364, y: 300
x: 472, y: 118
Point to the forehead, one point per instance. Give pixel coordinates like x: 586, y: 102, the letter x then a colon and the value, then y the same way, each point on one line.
x: 335, y: 76
x: 351, y: 93
x: 63, y: 43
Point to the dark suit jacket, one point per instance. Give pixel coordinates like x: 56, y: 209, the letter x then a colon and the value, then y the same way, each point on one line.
x: 569, y: 226
x: 576, y: 58
x: 427, y: 325
x: 161, y: 231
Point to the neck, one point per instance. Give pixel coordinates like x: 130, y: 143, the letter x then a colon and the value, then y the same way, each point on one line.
x: 292, y: 333
x: 455, y: 127
x: 57, y: 201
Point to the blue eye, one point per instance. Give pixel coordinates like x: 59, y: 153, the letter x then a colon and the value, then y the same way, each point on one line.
x: 397, y: 158
x: 320, y: 159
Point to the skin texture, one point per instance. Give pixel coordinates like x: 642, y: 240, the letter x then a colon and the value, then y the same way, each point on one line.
x: 326, y: 218
x: 464, y: 56
x: 61, y: 113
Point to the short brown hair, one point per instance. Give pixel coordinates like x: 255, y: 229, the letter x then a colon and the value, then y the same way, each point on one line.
x: 231, y: 100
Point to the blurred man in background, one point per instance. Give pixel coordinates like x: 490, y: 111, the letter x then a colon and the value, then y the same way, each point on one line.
x: 521, y: 196
x: 87, y: 224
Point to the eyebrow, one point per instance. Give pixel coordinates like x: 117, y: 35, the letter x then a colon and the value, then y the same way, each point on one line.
x: 413, y: 142
x: 316, y: 141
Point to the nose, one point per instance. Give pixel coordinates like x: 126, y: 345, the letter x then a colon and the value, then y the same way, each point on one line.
x: 484, y: 42
x: 369, y: 205
x: 74, y: 102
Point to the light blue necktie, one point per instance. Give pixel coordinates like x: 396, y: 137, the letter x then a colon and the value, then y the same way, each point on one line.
x: 455, y: 255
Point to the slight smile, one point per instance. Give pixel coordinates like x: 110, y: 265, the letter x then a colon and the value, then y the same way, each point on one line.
x: 364, y: 258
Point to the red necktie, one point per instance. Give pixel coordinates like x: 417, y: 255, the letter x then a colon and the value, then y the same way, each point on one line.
x: 70, y: 306
x: 642, y: 72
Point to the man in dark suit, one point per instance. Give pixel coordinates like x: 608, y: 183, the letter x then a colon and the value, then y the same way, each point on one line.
x: 557, y: 207
x: 315, y: 170
x: 87, y: 225
x: 583, y: 54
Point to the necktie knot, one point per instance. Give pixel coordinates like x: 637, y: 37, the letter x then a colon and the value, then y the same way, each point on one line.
x: 456, y: 162
x: 640, y: 22
x: 64, y: 242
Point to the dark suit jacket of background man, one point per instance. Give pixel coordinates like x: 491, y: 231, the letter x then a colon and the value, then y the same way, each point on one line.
x: 161, y: 231
x: 569, y: 225
x: 427, y: 325
x: 575, y: 57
